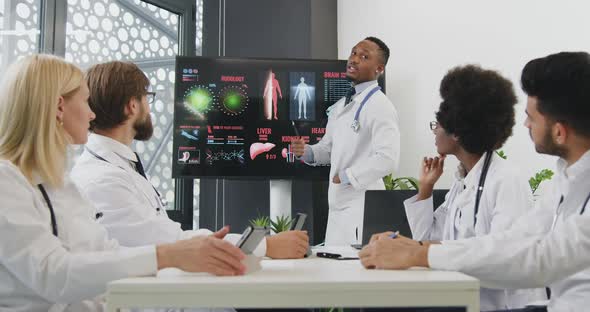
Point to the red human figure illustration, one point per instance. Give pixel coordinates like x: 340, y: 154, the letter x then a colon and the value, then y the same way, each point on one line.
x: 270, y: 96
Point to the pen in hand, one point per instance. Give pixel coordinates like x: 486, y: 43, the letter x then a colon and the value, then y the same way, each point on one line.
x: 394, y: 234
x: 295, y: 128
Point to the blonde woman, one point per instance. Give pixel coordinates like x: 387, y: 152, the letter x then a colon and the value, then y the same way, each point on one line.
x: 53, y: 255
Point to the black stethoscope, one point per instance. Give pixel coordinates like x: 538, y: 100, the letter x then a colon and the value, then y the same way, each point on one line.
x: 482, y: 181
x: 51, y: 212
x: 558, y: 210
x: 163, y: 202
x: 98, y: 215
x: 355, y: 123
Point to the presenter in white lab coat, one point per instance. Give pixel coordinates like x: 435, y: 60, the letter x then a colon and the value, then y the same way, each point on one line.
x: 475, y: 118
x: 361, y: 143
x: 53, y: 255
x: 110, y: 174
x: 550, y: 246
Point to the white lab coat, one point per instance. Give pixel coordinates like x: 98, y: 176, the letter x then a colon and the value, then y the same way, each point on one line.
x: 41, y: 272
x: 505, y: 198
x: 366, y: 157
x: 131, y: 210
x: 530, y: 253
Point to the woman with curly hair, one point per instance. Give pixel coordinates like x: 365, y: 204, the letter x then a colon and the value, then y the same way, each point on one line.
x: 474, y: 119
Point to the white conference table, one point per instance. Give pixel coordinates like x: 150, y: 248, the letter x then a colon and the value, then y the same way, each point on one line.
x: 304, y: 283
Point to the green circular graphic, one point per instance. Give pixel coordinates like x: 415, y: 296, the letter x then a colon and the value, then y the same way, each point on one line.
x: 198, y: 99
x: 233, y: 100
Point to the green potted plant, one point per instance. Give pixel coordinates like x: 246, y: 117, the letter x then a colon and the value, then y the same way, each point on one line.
x: 280, y: 224
x: 543, y: 175
x: 260, y: 221
x: 501, y: 154
x: 534, y: 181
x: 401, y: 183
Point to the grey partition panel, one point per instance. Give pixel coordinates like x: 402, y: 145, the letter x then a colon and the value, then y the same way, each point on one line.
x: 311, y: 198
x: 208, y: 199
x: 244, y: 201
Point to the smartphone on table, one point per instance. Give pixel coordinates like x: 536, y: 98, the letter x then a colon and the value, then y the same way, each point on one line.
x: 251, y: 238
x: 298, y: 222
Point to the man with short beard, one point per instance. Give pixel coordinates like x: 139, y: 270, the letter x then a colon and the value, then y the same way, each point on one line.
x: 110, y: 174
x: 550, y: 246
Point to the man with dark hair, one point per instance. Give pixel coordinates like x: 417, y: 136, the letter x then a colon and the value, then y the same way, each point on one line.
x: 111, y: 175
x: 475, y: 118
x: 550, y: 246
x: 383, y: 49
x: 361, y: 143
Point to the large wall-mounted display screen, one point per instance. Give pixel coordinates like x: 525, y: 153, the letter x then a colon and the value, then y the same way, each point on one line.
x: 236, y: 117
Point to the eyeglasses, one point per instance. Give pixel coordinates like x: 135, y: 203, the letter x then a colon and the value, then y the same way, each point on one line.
x: 433, y: 125
x: 150, y: 97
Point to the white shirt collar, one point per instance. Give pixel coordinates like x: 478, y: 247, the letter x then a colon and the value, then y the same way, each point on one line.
x: 472, y: 177
x: 571, y: 172
x: 106, y: 143
x: 363, y: 86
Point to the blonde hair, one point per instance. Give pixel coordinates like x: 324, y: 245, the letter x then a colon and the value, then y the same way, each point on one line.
x: 30, y: 135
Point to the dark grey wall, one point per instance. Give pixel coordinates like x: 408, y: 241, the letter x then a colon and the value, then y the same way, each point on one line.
x: 268, y: 29
x: 324, y: 39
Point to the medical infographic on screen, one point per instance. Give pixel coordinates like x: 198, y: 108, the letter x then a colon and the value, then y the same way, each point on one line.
x: 236, y: 117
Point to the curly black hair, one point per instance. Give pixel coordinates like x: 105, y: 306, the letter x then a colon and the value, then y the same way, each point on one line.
x: 382, y: 47
x: 477, y: 107
x: 561, y: 84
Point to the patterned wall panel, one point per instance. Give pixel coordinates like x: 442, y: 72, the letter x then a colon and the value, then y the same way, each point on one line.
x: 103, y: 30
x: 19, y: 30
x: 132, y: 30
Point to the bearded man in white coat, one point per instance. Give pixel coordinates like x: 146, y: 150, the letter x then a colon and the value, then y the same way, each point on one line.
x: 361, y: 143
x: 110, y: 174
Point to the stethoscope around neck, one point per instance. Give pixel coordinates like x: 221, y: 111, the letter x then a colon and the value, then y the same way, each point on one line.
x: 558, y: 210
x: 482, y: 181
x: 355, y: 123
